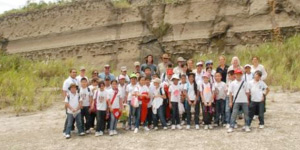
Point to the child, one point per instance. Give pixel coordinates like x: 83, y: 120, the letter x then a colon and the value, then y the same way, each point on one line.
x: 122, y: 89
x: 211, y: 75
x: 165, y: 85
x: 192, y: 94
x: 73, y: 105
x: 86, y: 98
x: 115, y: 104
x: 129, y: 96
x: 258, y: 90
x: 221, y: 90
x: 207, y: 95
x: 248, y: 76
x: 184, y: 101
x: 157, y: 104
x: 239, y: 97
x: 231, y: 78
x: 93, y: 88
x: 100, y: 99
x: 175, y: 95
x: 149, y: 107
x: 142, y: 92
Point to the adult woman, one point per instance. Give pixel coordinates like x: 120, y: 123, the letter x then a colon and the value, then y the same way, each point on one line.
x: 149, y: 63
x: 258, y: 67
x: 222, y: 68
x: 235, y: 64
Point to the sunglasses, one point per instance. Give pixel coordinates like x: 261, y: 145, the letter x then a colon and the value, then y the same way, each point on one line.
x: 95, y: 73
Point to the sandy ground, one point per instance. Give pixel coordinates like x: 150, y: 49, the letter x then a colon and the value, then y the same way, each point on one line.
x: 43, y: 130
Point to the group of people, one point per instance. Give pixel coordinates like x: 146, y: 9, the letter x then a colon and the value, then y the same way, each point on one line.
x: 166, y: 96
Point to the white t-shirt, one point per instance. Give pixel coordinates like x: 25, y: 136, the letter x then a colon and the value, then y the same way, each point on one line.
x: 93, y: 89
x: 257, y: 90
x: 122, y: 90
x: 151, y: 88
x: 155, y: 92
x: 73, y: 100
x: 248, y: 77
x: 108, y: 88
x: 85, y: 95
x: 260, y: 68
x: 130, y: 90
x: 116, y: 102
x: 189, y: 88
x: 141, y: 89
x: 68, y: 82
x: 207, y: 90
x: 175, y: 91
x: 199, y: 76
x: 78, y: 78
x: 101, y: 97
x: 234, y: 87
x: 228, y: 82
x: 221, y: 89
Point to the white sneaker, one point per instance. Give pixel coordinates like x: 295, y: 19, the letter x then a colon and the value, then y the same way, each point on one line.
x: 210, y: 127
x: 261, y: 126
x: 179, y: 127
x: 87, y: 131
x: 100, y: 133
x: 68, y: 136
x: 244, y: 128
x: 182, y: 123
x: 155, y: 128
x: 197, y: 127
x: 227, y: 126
x: 97, y: 134
x: 205, y: 127
x: 224, y: 125
x: 165, y: 128
x: 111, y: 132
x: 136, y: 130
x: 146, y: 129
x: 173, y: 127
x: 188, y: 127
x: 82, y: 134
x: 115, y: 132
x: 169, y: 123
x: 235, y: 126
x: 64, y: 134
x: 247, y: 129
x: 255, y: 117
x: 230, y: 130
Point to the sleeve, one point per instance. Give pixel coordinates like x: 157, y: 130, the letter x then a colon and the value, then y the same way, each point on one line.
x: 264, y: 73
x: 65, y: 86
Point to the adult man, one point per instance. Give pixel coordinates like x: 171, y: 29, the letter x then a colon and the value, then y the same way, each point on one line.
x: 82, y: 75
x: 106, y: 73
x: 162, y: 67
x: 199, y: 72
x: 137, y: 67
x: 124, y: 73
x: 178, y: 69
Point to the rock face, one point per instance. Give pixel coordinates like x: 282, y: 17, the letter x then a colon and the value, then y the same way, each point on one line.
x: 97, y: 32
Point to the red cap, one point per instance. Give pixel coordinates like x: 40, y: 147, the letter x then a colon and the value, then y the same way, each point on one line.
x: 238, y: 71
x: 170, y: 72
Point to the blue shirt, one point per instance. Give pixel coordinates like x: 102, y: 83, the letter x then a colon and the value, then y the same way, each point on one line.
x: 102, y: 76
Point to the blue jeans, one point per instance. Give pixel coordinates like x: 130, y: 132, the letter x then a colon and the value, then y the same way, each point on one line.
x: 220, y: 111
x: 260, y: 106
x: 235, y: 112
x: 113, y: 122
x: 227, y: 110
x: 161, y: 116
x: 131, y: 113
x: 175, y: 114
x: 77, y: 119
x: 137, y: 116
x: 197, y: 112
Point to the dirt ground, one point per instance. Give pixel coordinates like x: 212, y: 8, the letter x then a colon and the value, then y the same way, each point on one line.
x: 43, y: 130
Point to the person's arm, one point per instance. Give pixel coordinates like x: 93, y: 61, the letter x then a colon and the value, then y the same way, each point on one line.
x: 170, y: 104
x: 264, y: 73
x: 230, y: 99
x: 211, y: 99
x: 79, y: 106
x: 126, y: 97
x: 64, y: 93
x: 267, y: 91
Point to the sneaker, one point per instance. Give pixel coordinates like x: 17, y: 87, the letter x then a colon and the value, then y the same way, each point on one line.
x: 205, y: 127
x: 82, y: 134
x: 235, y: 126
x: 173, y: 127
x: 97, y: 134
x: 115, y: 132
x: 182, y: 123
x: 111, y: 132
x: 100, y: 133
x: 210, y: 127
x: 197, y: 127
x: 224, y: 125
x: 230, y: 130
x: 247, y: 129
x: 146, y: 129
x: 188, y: 127
x: 227, y: 126
x: 261, y: 126
x: 216, y: 125
x: 244, y: 128
x: 64, y: 134
x: 68, y: 136
x: 255, y: 117
x: 136, y: 130
x: 155, y: 128
x: 169, y: 123
x: 179, y: 127
x: 165, y: 128
x: 87, y: 131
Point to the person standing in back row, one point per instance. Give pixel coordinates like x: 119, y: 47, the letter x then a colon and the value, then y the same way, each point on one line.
x: 106, y: 73
x: 162, y: 67
x: 223, y: 68
x: 258, y: 67
x: 149, y: 63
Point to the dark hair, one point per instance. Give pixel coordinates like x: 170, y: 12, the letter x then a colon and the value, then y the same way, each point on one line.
x: 72, y: 69
x: 147, y: 58
x: 101, y: 83
x: 141, y: 77
x: 114, y: 81
x: 256, y: 58
x: 147, y: 68
x: 219, y: 73
x: 208, y: 68
x: 170, y: 65
x: 231, y: 72
x: 148, y: 78
x: 83, y: 79
x: 259, y: 73
x: 94, y: 80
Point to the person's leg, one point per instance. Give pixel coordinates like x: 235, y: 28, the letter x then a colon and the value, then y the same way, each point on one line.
x: 88, y: 118
x: 161, y: 116
x: 261, y: 112
x: 217, y: 112
x: 173, y: 113
x: 137, y: 116
x: 177, y: 117
x: 155, y: 118
x: 130, y: 115
x: 184, y: 115
x: 102, y: 120
x: 70, y: 119
x: 82, y: 111
x: 79, y: 124
x: 188, y: 114
x: 234, y: 114
x: 205, y: 115
x: 227, y: 111
x: 149, y: 116
x: 197, y: 112
x: 112, y: 122
x: 222, y: 109
x: 92, y: 120
x: 98, y: 116
x: 252, y: 109
x: 245, y: 108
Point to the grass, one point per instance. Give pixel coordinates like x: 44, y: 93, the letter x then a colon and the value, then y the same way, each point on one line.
x: 281, y: 61
x: 121, y: 3
x: 22, y: 82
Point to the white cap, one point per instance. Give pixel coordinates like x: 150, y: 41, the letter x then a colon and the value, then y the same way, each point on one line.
x: 121, y: 77
x: 82, y: 68
x: 157, y: 80
x: 180, y: 59
x: 107, y: 65
x: 175, y: 76
x: 199, y: 63
x: 123, y: 68
x: 137, y: 63
x: 247, y: 65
